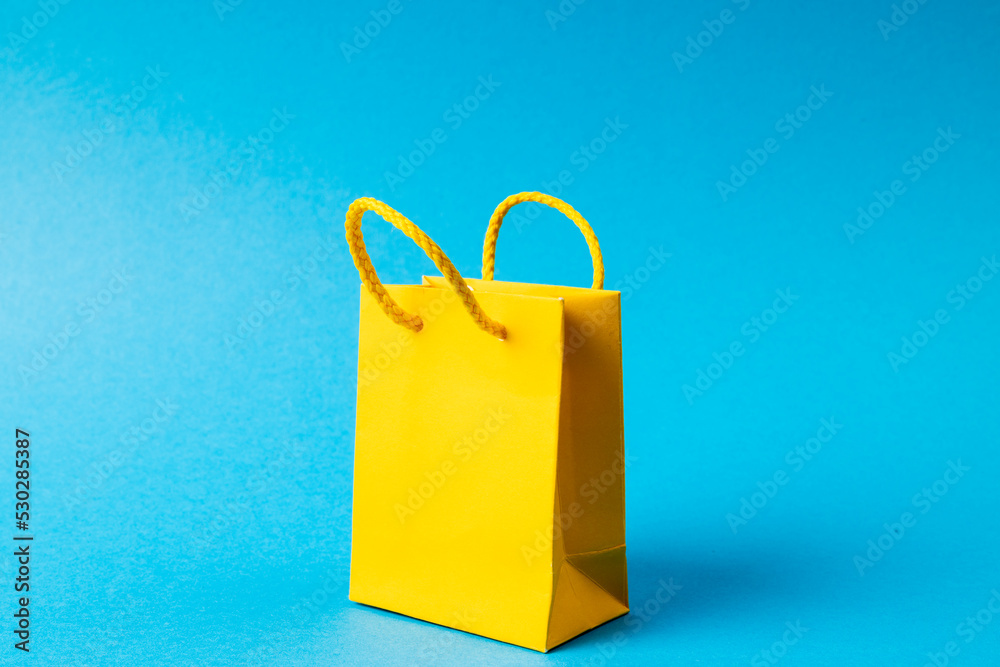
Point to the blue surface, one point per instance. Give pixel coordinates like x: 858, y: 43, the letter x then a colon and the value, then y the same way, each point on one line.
x: 218, y: 532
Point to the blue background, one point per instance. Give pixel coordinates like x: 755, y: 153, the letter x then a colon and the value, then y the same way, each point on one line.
x: 219, y: 534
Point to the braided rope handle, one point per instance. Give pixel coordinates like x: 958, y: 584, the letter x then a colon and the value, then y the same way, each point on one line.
x: 490, y: 245
x: 356, y: 242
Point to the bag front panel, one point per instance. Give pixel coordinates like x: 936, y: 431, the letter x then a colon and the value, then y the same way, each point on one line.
x: 455, y: 462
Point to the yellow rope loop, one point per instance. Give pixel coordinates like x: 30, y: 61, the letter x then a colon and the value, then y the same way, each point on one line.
x: 369, y: 277
x: 490, y: 245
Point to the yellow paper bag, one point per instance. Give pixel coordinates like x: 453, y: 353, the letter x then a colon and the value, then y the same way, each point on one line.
x: 489, y: 461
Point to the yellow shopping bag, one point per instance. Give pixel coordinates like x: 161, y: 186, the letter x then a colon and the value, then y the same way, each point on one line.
x: 489, y: 463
